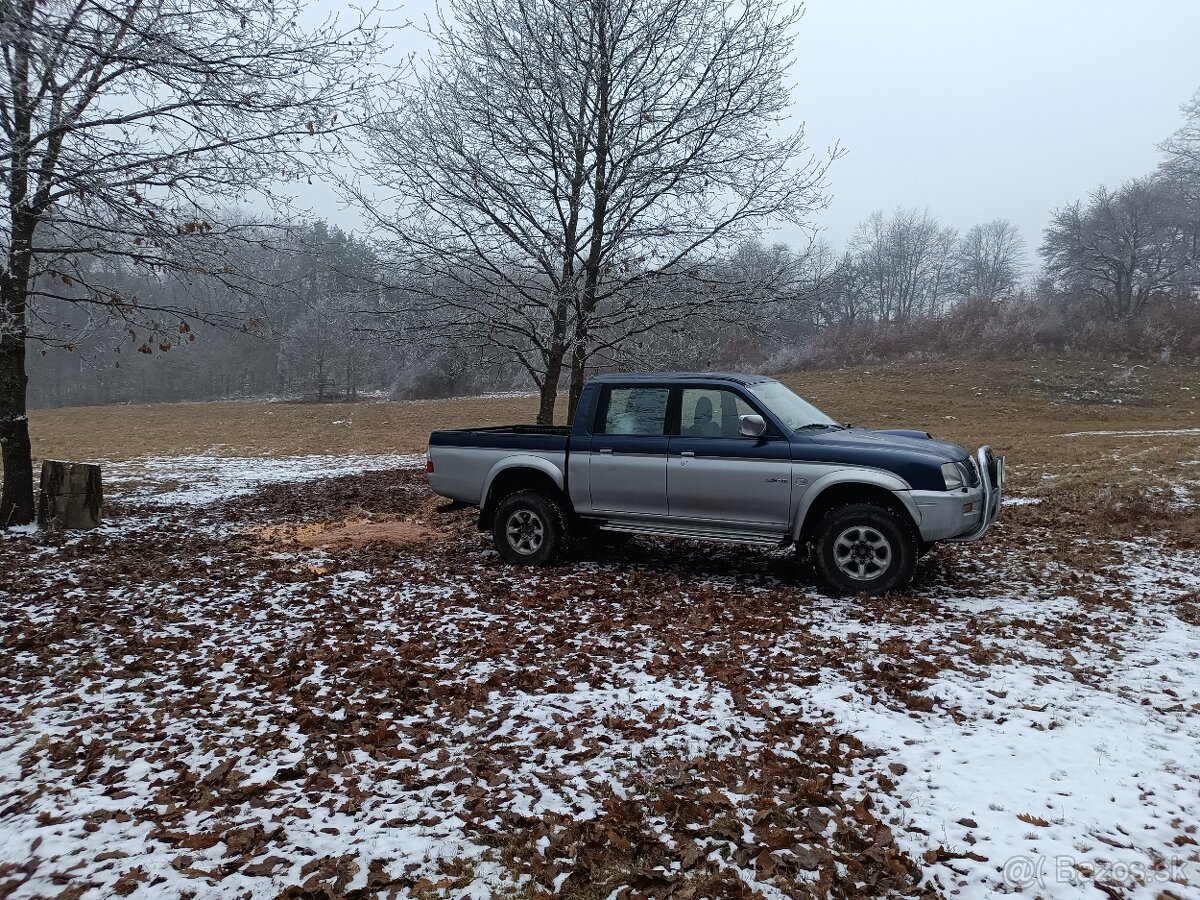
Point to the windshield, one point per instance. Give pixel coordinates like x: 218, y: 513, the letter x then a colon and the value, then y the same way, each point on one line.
x: 795, y: 412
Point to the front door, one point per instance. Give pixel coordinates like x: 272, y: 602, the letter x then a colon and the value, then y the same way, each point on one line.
x: 628, y: 466
x: 715, y: 475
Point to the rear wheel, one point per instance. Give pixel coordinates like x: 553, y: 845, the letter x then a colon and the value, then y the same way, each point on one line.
x: 864, y: 548
x: 529, y: 528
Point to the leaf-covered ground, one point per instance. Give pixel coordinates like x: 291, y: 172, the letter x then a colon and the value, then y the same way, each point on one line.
x: 209, y: 698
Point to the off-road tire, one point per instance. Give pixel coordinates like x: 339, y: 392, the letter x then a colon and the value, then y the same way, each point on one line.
x: 530, y: 528
x: 865, y: 548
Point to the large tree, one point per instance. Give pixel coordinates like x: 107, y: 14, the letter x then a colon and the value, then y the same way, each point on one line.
x: 127, y: 127
x: 989, y: 261
x: 1181, y: 168
x: 557, y: 159
x: 902, y: 265
x: 1124, y: 246
x: 1183, y: 147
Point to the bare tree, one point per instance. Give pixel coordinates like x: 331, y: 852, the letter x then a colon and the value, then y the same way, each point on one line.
x: 1123, y: 247
x: 825, y: 293
x: 329, y: 345
x: 1181, y: 168
x: 1183, y: 147
x: 722, y: 298
x: 127, y: 126
x: 311, y: 347
x: 902, y: 264
x: 989, y: 261
x: 560, y: 158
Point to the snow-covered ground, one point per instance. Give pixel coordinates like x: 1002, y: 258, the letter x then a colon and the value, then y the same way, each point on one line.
x: 184, y: 708
x: 207, y: 478
x: 1061, y: 769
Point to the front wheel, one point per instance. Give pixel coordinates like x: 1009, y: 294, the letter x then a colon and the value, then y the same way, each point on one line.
x: 864, y: 548
x: 529, y: 529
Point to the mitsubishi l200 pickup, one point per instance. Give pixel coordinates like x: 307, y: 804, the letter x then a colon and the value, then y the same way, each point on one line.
x: 721, y: 457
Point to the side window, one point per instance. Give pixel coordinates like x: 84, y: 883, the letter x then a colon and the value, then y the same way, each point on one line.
x: 635, y: 410
x: 711, y: 413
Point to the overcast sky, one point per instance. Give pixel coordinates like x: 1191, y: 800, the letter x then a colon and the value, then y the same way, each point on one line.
x: 975, y: 108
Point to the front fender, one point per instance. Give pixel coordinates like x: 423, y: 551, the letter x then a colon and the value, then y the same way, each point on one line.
x: 521, y: 462
x: 880, y: 478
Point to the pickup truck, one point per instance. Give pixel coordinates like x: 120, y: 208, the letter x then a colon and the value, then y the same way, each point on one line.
x: 720, y: 457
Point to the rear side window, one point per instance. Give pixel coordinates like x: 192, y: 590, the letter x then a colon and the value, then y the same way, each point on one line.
x: 712, y: 413
x: 634, y: 410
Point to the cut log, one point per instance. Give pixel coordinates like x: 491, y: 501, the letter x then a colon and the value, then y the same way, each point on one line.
x: 70, y: 495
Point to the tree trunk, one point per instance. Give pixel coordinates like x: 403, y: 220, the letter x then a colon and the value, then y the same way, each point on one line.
x: 70, y: 496
x: 595, y: 258
x: 557, y: 352
x: 548, y: 389
x: 578, y: 364
x: 547, y: 395
x: 16, y: 499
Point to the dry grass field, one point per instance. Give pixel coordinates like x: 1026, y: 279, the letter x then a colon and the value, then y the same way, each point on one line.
x: 1088, y: 431
x: 1017, y: 405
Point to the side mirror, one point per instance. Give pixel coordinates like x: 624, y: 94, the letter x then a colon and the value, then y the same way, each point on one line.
x: 752, y: 426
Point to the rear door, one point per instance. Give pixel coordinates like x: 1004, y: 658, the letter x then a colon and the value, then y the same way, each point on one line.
x: 714, y: 475
x: 628, y: 466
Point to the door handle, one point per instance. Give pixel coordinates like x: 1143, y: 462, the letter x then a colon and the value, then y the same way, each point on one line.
x: 687, y: 453
x: 607, y: 450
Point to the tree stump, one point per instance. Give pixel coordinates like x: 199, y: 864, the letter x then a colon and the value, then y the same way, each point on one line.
x: 70, y: 495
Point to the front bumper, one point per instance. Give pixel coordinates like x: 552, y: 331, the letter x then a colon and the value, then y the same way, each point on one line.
x: 967, y: 514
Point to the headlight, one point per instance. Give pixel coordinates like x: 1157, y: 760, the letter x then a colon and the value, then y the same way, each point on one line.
x: 972, y: 472
x: 954, y: 476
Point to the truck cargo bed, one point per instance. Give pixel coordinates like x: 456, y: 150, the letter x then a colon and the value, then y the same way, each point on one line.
x: 530, y: 437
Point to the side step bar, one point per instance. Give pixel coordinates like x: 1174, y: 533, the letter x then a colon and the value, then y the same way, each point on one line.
x: 730, y: 537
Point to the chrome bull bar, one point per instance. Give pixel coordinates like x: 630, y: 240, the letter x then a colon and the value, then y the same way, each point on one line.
x: 991, y: 477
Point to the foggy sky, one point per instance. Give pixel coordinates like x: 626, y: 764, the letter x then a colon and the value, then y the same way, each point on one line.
x: 973, y: 108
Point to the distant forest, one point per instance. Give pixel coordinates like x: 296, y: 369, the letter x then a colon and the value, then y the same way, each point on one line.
x: 331, y: 323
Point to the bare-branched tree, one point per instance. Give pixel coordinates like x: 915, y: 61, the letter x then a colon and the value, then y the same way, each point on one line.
x: 1183, y: 147
x: 1124, y: 247
x: 901, y: 265
x: 127, y: 127
x: 989, y: 261
x: 326, y: 349
x: 821, y: 296
x: 560, y: 162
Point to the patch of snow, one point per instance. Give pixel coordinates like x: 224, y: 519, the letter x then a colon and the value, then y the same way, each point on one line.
x: 1046, y: 776
x: 1158, y: 432
x: 1021, y: 501
x: 18, y: 530
x: 207, y: 478
x: 490, y: 395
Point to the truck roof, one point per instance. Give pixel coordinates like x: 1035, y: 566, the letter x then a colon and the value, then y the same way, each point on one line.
x: 736, y: 377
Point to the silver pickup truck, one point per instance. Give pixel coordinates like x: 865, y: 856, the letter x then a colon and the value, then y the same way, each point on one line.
x: 721, y: 457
